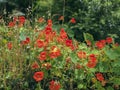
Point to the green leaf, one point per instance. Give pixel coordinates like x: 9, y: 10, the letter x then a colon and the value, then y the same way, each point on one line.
x: 70, y: 33
x: 80, y: 86
x: 110, y: 88
x: 89, y: 37
x: 115, y: 80
x: 73, y: 57
x: 22, y: 36
x: 112, y: 54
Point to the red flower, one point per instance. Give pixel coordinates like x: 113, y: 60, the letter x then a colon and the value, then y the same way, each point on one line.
x: 73, y: 20
x: 91, y: 64
x: 48, y: 30
x: 11, y: 24
x: 63, y: 34
x: 92, y: 61
x: 54, y: 85
x: 42, y: 55
x: 26, y: 41
x: 99, y: 45
x: 38, y: 76
x: 81, y: 54
x: 21, y: 19
x: 49, y: 22
x: 68, y: 42
x: 78, y: 66
x: 47, y: 65
x: 103, y: 42
x: 15, y: 19
x: 109, y: 40
x: 35, y: 65
x: 55, y: 52
x: 9, y: 45
x: 99, y: 76
x: 40, y: 43
x: 92, y: 58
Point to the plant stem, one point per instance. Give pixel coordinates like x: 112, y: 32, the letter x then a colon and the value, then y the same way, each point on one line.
x: 63, y: 12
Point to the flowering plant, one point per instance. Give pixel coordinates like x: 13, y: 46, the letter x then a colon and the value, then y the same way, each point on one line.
x: 44, y: 59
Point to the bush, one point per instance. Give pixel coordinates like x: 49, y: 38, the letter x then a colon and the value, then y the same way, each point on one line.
x: 45, y: 58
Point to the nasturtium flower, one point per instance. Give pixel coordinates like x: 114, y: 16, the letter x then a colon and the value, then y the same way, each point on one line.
x: 46, y: 65
x: 103, y: 42
x: 68, y: 42
x: 73, y: 20
x: 35, y: 65
x: 9, y: 45
x: 54, y: 85
x: 61, y: 18
x: 42, y: 56
x: 39, y: 43
x: 21, y: 19
x: 99, y: 45
x: 54, y: 52
x: 91, y: 64
x: 26, y: 41
x: 99, y: 76
x: 38, y: 76
x: 41, y: 20
x: 88, y: 42
x: 81, y: 54
x: 63, y: 34
x: 109, y: 40
x: 11, y: 24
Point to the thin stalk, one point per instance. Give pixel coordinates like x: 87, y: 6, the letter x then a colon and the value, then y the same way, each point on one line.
x: 63, y: 11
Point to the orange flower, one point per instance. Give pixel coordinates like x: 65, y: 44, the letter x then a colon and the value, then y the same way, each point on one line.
x: 81, y: 54
x: 38, y: 76
x: 61, y: 18
x: 88, y: 42
x: 41, y: 19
